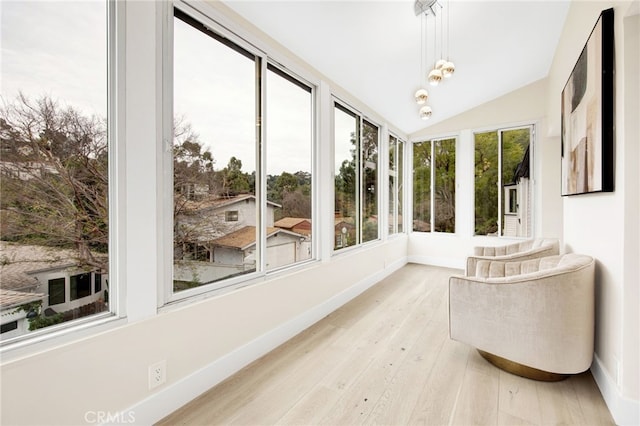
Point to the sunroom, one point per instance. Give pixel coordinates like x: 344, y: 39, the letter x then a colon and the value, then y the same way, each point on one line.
x: 251, y: 169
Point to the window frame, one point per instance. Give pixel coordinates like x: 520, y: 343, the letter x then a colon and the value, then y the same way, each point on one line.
x: 114, y: 24
x: 432, y: 184
x: 397, y: 169
x: 216, y: 24
x: 360, y: 118
x: 503, y: 209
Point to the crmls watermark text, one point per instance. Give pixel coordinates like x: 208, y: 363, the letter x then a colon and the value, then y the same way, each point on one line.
x: 102, y: 417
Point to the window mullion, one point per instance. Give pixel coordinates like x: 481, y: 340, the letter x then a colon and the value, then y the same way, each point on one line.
x: 432, y: 188
x: 500, y: 189
x: 359, y: 179
x: 260, y: 183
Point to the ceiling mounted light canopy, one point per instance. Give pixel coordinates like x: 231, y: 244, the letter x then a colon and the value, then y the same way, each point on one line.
x: 424, y: 7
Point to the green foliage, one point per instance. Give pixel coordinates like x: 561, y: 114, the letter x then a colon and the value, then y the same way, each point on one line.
x: 30, y: 307
x: 444, y: 175
x: 514, y: 146
x: 422, y: 185
x: 41, y: 321
x: 445, y: 185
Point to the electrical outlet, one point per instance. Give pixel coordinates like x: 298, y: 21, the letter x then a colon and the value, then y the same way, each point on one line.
x: 157, y: 374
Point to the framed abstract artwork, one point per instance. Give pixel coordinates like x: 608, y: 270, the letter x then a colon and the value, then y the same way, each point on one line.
x: 587, y: 115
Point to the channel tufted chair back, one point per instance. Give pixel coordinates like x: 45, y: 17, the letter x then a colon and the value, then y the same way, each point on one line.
x: 524, y: 250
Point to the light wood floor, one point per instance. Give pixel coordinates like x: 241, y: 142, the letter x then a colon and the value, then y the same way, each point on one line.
x: 385, y: 358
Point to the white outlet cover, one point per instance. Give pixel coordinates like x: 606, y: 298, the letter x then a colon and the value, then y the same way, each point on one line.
x: 157, y: 374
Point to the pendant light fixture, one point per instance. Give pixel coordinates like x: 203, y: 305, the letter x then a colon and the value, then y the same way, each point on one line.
x: 442, y: 68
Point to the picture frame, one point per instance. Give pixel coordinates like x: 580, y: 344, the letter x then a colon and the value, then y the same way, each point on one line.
x: 587, y: 125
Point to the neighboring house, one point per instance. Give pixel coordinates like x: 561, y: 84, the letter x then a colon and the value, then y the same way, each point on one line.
x: 344, y: 232
x: 235, y: 253
x: 298, y: 225
x: 53, y: 276
x: 201, y: 222
x: 517, y: 203
x: 283, y: 247
x: 26, y: 170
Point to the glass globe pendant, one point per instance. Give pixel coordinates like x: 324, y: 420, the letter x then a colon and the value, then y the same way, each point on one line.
x: 435, y: 77
x: 448, y: 69
x: 425, y: 112
x: 421, y: 96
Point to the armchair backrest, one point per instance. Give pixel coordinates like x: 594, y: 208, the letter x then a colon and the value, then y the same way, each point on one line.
x: 530, y: 249
x: 541, y: 266
x: 516, y: 247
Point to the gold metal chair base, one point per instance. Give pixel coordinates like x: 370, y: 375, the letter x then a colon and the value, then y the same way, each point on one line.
x: 522, y: 370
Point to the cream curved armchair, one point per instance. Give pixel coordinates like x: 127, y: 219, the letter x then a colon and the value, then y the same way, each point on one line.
x: 534, y: 318
x: 529, y: 249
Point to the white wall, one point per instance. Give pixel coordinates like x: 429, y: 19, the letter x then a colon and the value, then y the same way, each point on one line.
x: 606, y: 225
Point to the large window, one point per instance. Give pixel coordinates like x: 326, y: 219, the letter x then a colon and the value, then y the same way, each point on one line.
x: 288, y: 154
x: 503, y: 182
x: 54, y: 163
x: 434, y: 186
x: 214, y: 151
x: 356, y: 179
x: 396, y: 188
x: 242, y: 194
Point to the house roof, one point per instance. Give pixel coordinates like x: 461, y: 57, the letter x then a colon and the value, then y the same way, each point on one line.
x: 17, y: 261
x: 290, y: 222
x: 245, y: 237
x: 12, y: 299
x: 219, y: 202
x: 242, y: 238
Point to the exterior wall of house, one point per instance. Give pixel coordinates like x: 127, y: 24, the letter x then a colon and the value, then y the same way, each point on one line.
x: 285, y: 249
x: 43, y: 287
x: 246, y: 213
x: 20, y: 317
x: 227, y: 256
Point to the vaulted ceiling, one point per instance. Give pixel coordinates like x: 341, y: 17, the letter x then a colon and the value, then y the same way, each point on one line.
x: 372, y: 48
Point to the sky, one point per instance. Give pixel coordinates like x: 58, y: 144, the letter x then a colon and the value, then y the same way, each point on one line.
x: 55, y: 49
x: 58, y: 49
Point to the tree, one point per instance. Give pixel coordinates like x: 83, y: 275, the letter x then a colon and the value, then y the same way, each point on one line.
x: 445, y: 185
x: 422, y: 186
x: 54, y: 178
x: 232, y: 180
x: 487, y: 170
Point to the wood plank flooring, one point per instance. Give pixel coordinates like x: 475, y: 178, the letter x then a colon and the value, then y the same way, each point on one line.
x: 386, y: 358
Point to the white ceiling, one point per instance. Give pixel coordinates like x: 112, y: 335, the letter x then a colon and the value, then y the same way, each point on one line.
x: 372, y: 48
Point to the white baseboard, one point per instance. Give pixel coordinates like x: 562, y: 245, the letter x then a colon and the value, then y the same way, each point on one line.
x: 625, y: 412
x: 445, y: 262
x: 169, y: 399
